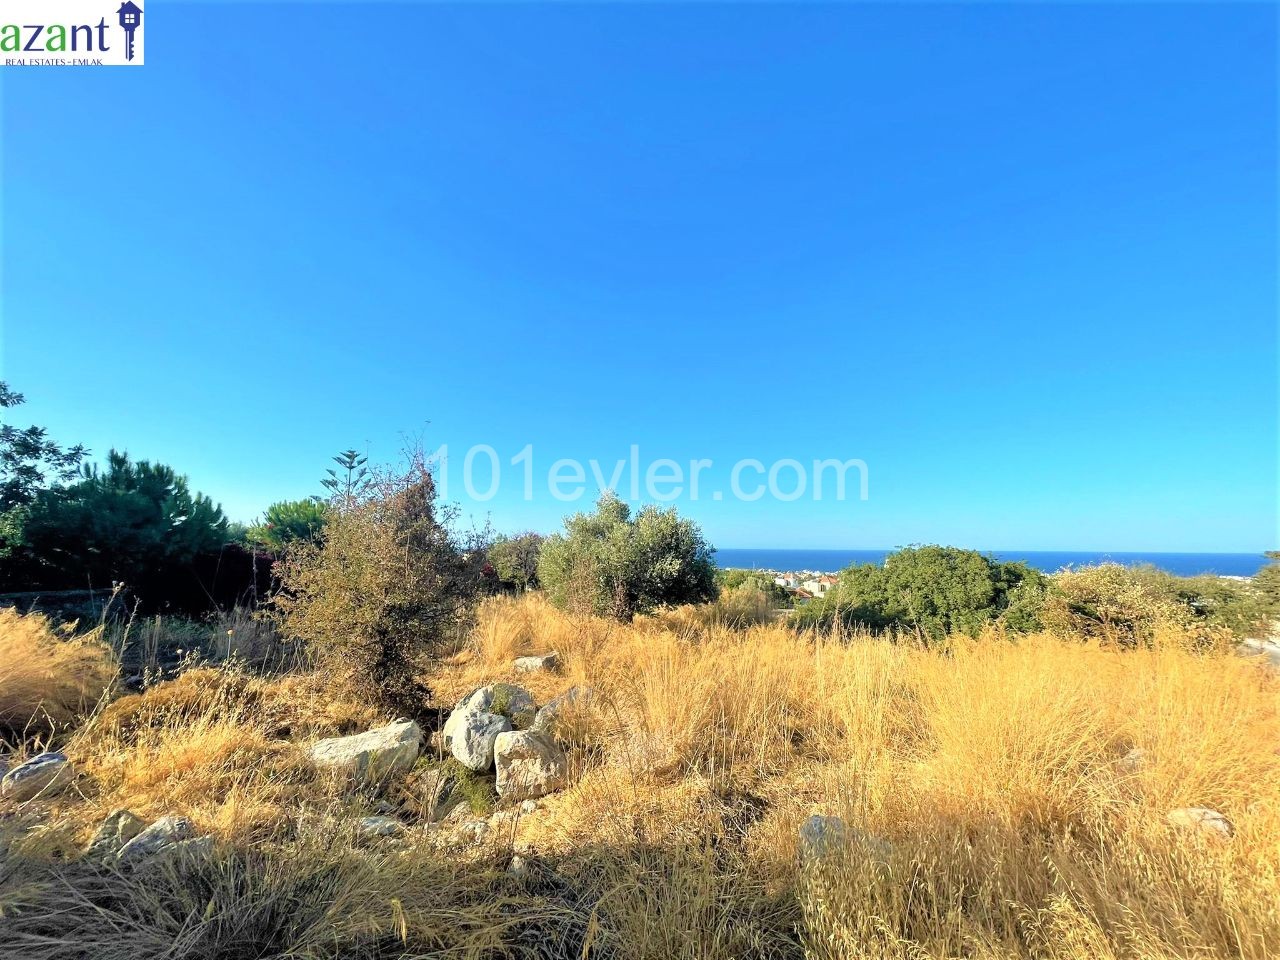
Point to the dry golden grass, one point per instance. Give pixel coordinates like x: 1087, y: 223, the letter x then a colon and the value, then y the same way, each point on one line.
x: 993, y: 768
x: 47, y: 676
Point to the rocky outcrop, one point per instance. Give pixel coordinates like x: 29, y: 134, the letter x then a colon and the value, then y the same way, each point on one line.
x: 544, y: 661
x: 165, y: 833
x: 1208, y: 822
x: 374, y: 755
x: 369, y: 828
x: 44, y: 775
x: 117, y: 829
x: 529, y: 765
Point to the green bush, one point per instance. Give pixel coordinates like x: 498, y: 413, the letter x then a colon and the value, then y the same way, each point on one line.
x: 386, y: 585
x: 608, y: 563
x: 730, y: 581
x: 515, y: 560
x: 289, y: 520
x: 932, y: 591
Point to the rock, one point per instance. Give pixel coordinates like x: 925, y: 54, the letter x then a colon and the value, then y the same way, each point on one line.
x: 474, y: 830
x: 374, y: 755
x: 444, y: 797
x: 545, y: 661
x: 529, y: 765
x: 821, y: 837
x: 1268, y: 650
x: 545, y: 720
x: 528, y: 807
x: 1209, y: 822
x: 118, y: 828
x: 43, y: 775
x: 165, y: 832
x: 470, y: 736
x: 505, y: 699
x: 461, y: 813
x: 1132, y: 762
x: 371, y: 827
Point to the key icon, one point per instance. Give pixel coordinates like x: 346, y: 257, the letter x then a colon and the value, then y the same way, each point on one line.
x: 130, y: 18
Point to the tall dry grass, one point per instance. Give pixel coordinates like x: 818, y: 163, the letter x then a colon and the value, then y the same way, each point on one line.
x: 48, y: 676
x: 993, y: 766
x: 994, y: 769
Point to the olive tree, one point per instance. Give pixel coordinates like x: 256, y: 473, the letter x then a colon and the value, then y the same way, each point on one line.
x: 611, y: 563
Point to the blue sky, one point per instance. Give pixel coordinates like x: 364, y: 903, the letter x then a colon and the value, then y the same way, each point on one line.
x: 1021, y: 260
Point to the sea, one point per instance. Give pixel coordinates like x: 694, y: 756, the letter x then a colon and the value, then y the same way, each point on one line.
x: 1050, y: 561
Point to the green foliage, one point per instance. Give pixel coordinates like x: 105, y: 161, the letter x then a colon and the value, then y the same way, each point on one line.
x: 731, y: 581
x: 1113, y: 603
x: 612, y: 564
x: 515, y: 560
x: 354, y: 479
x: 29, y: 461
x: 289, y: 520
x: 126, y: 523
x: 1267, y: 582
x: 386, y: 585
x: 933, y: 591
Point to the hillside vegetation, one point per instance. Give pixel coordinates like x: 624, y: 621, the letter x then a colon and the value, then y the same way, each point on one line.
x: 1004, y: 798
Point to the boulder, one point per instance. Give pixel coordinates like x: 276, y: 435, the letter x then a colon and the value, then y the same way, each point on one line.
x: 1267, y: 651
x: 374, y: 755
x: 545, y: 661
x: 529, y: 765
x: 1209, y: 822
x: 822, y: 837
x: 43, y: 775
x: 117, y: 829
x: 470, y: 735
x: 369, y: 828
x: 165, y: 832
x: 545, y: 720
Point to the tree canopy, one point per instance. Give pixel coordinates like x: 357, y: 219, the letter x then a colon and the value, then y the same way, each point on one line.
x: 614, y: 564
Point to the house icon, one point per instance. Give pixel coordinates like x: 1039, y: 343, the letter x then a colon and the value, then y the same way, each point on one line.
x: 130, y: 19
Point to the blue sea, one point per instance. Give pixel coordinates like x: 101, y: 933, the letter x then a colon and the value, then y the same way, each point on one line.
x: 831, y: 561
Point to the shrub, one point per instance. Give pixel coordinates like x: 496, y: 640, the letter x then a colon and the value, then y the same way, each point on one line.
x: 1241, y: 606
x: 1129, y: 605
x: 1114, y: 603
x: 1267, y: 582
x: 934, y: 591
x: 730, y: 580
x: 47, y: 676
x: 515, y: 560
x: 608, y: 563
x: 386, y: 584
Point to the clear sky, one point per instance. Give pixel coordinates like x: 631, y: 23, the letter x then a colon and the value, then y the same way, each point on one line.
x: 1021, y: 260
